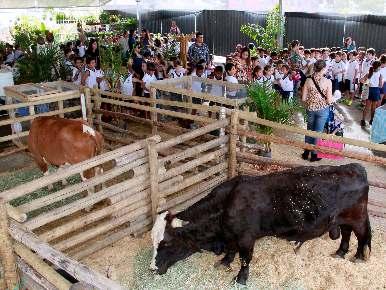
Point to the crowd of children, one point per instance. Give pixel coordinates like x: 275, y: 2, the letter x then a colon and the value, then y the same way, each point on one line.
x: 356, y: 73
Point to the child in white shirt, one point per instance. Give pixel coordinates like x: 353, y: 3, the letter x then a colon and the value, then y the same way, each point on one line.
x: 286, y: 84
x: 89, y: 77
x: 77, y: 71
x: 268, y: 77
x: 257, y: 75
x: 337, y: 69
x: 351, y: 75
x: 230, y: 71
x: 197, y: 86
x: 149, y: 78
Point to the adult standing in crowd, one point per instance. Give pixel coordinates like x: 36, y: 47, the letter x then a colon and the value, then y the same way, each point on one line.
x: 132, y: 39
x: 93, y: 51
x: 145, y: 39
x: 243, y: 66
x: 124, y: 43
x: 198, y: 50
x: 317, y: 96
x: 174, y: 29
x: 349, y: 44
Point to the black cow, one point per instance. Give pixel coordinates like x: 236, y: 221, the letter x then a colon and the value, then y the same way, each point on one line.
x: 297, y: 204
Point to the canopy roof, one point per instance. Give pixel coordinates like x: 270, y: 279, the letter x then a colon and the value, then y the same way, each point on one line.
x: 25, y: 4
x: 129, y: 6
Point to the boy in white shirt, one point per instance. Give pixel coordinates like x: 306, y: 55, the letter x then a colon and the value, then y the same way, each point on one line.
x: 337, y: 69
x: 286, y: 84
x: 77, y: 71
x: 351, y: 75
x: 368, y: 62
x: 89, y: 77
x: 149, y: 78
x: 230, y: 71
x: 197, y: 86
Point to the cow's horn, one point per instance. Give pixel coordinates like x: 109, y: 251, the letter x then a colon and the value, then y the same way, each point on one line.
x: 177, y: 223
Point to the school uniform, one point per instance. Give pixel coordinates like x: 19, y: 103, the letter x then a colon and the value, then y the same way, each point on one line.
x: 76, y: 76
x: 91, y: 80
x: 148, y: 79
x: 197, y: 87
x: 349, y: 82
x: 81, y: 50
x: 366, y: 64
x: 337, y: 72
x: 259, y: 81
x: 374, y: 89
x: 233, y: 80
x: 269, y: 80
x: 287, y: 88
x: 103, y: 85
x: 127, y: 85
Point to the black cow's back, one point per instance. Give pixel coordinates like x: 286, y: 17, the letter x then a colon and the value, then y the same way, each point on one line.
x: 297, y: 204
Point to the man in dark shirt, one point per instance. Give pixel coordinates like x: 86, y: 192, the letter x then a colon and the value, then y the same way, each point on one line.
x: 198, y: 50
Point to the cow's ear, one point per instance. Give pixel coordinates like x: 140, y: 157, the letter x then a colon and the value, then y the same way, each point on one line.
x: 177, y: 223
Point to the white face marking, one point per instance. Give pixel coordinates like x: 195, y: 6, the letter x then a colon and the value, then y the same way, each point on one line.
x: 88, y: 130
x: 177, y: 223
x: 157, y: 235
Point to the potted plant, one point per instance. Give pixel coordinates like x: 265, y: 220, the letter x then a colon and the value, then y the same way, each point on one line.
x: 268, y: 104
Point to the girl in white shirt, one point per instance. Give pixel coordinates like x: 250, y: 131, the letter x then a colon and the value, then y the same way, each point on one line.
x: 375, y: 80
x: 257, y: 75
x: 268, y: 77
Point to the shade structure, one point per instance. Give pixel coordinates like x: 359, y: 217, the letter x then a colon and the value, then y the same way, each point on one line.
x: 25, y: 4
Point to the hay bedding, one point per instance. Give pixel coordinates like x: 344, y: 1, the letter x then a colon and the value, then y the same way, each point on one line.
x: 274, y: 266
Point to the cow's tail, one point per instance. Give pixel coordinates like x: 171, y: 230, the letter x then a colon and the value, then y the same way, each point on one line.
x: 213, y: 203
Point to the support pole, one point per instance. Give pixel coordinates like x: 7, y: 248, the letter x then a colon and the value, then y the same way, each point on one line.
x: 153, y: 165
x: 153, y: 115
x: 232, y: 162
x: 6, y: 251
x: 87, y: 94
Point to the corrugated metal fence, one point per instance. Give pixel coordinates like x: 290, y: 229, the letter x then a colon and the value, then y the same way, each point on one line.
x: 221, y: 28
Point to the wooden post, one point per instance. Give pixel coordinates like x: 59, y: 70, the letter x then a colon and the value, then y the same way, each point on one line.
x: 245, y: 126
x: 153, y: 165
x: 6, y: 250
x: 61, y: 107
x: 153, y: 115
x: 79, y: 271
x: 89, y: 106
x: 98, y: 104
x: 41, y: 267
x: 232, y: 162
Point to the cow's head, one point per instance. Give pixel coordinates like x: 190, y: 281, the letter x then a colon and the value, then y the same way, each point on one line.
x: 169, y: 246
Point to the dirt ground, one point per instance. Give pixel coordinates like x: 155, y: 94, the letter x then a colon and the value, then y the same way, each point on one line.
x: 274, y: 266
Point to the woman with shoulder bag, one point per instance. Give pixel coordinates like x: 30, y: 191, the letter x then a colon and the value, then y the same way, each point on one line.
x: 317, y: 96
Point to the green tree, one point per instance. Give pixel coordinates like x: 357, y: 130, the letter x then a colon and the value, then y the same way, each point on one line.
x: 266, y: 37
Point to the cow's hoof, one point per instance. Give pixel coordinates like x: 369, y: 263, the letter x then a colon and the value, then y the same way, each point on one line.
x: 222, y: 266
x: 240, y: 280
x: 337, y: 256
x: 357, y: 260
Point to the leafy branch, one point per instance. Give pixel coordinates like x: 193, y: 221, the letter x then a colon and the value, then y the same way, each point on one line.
x: 266, y: 37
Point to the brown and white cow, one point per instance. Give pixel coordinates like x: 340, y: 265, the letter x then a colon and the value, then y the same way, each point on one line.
x: 62, y: 142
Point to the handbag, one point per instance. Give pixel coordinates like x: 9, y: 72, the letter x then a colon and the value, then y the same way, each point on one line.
x: 328, y: 143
